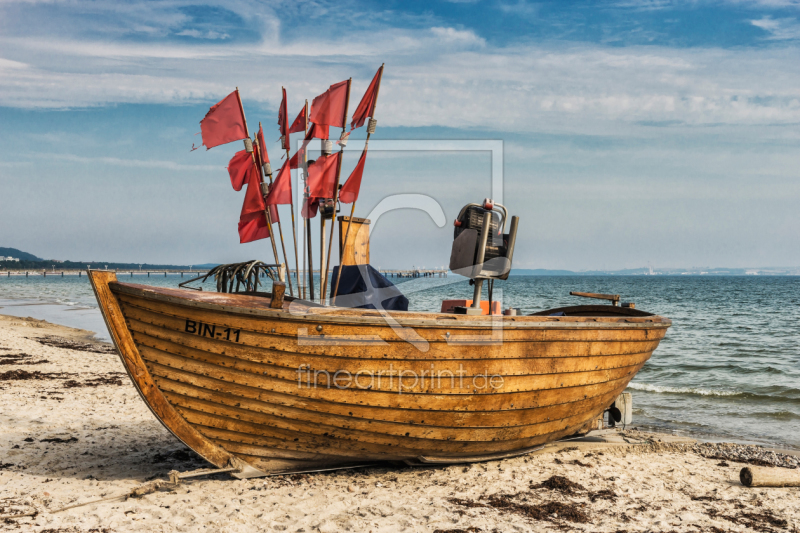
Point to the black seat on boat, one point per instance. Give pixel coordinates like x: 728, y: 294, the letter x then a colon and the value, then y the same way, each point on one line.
x: 363, y: 287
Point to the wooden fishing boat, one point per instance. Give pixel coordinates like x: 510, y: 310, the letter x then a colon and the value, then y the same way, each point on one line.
x: 260, y: 383
x: 304, y: 387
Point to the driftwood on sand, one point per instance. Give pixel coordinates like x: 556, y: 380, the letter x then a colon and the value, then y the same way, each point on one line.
x: 759, y: 476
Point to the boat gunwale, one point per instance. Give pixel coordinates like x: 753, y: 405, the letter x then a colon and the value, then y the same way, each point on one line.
x: 352, y: 317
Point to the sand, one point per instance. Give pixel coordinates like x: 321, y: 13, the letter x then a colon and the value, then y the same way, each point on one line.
x: 78, y: 432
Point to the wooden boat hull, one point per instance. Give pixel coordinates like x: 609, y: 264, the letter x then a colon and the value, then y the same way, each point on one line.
x: 303, y: 387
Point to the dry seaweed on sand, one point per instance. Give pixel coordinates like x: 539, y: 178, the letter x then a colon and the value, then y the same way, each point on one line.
x: 60, y: 342
x: 58, y: 440
x: 566, y: 486
x: 20, y: 359
x: 764, y: 521
x: 545, y: 511
x: 559, y: 483
x: 24, y: 375
x: 112, y: 378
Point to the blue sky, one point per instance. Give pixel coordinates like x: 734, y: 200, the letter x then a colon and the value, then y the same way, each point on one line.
x: 634, y: 132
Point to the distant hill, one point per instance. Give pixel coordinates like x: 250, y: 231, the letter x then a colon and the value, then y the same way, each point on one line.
x: 19, y: 254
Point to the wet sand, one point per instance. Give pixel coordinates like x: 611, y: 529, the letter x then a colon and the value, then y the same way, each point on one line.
x: 74, y: 430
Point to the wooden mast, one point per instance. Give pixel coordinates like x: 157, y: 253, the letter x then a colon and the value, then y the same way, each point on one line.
x: 306, y: 222
x: 294, y: 230
x: 353, y: 205
x: 260, y: 179
x: 324, y: 280
x: 257, y: 148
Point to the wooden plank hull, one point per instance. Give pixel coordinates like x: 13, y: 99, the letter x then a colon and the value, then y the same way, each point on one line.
x: 306, y: 387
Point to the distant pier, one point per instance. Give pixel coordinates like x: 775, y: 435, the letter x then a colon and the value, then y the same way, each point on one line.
x: 415, y: 273
x: 390, y: 273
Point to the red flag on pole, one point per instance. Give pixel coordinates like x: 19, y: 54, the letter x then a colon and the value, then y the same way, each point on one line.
x: 328, y: 108
x: 253, y: 227
x: 310, y: 207
x: 253, y: 200
x: 317, y: 131
x: 299, y: 123
x: 280, y: 192
x: 322, y: 176
x: 223, y: 123
x: 262, y: 145
x: 349, y: 191
x: 366, y: 107
x: 273, y: 214
x: 238, y: 167
x: 297, y: 159
x: 282, y: 118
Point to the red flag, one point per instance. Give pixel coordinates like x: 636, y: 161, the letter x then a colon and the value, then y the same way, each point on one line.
x: 253, y: 200
x: 282, y: 118
x: 310, y: 207
x: 238, y: 167
x: 262, y: 145
x: 316, y: 131
x: 366, y: 108
x: 299, y: 123
x: 349, y: 191
x: 253, y: 227
x: 280, y: 192
x: 273, y: 214
x: 223, y: 123
x: 322, y: 176
x: 328, y: 108
x: 297, y: 159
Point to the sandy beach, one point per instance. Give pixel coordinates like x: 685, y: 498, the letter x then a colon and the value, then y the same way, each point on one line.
x: 74, y: 430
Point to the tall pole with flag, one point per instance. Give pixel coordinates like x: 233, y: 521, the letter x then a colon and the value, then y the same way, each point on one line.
x: 261, y: 150
x: 342, y: 144
x: 283, y: 118
x: 366, y: 108
x: 306, y: 222
x: 253, y: 155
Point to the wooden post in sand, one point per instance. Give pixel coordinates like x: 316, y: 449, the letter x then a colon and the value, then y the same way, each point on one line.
x: 759, y: 476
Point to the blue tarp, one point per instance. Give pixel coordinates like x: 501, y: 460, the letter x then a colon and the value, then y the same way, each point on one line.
x: 364, y: 287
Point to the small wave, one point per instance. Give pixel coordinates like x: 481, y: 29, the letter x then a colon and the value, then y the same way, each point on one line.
x: 682, y: 390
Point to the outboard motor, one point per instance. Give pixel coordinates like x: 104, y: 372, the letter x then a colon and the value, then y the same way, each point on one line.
x: 481, y: 248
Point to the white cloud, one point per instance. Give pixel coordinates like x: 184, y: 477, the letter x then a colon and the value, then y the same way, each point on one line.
x: 779, y: 29
x: 520, y: 8
x: 140, y: 163
x: 209, y: 34
x: 451, y: 35
x: 435, y: 76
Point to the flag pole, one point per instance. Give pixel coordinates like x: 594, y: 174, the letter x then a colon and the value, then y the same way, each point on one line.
x: 307, y: 222
x: 300, y: 289
x: 280, y: 226
x: 353, y: 206
x: 336, y: 193
x: 260, y: 179
x: 294, y: 235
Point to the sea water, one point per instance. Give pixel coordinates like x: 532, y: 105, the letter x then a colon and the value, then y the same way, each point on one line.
x: 728, y: 368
